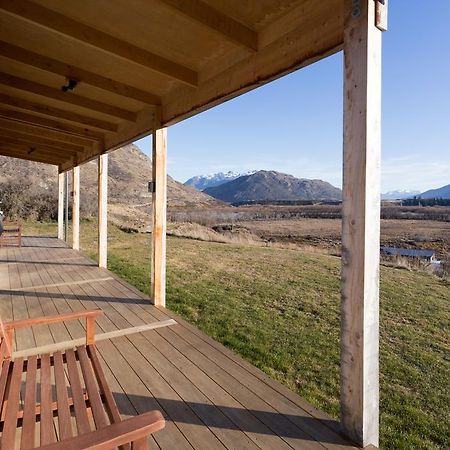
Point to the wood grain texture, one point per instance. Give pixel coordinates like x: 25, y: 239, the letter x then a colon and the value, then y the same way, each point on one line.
x: 159, y: 204
x: 58, y: 23
x: 70, y: 72
x: 76, y: 208
x: 61, y: 190
x: 102, y: 165
x: 361, y: 225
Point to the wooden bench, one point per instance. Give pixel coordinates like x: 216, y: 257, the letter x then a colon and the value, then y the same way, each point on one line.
x: 69, y: 386
x: 11, y: 235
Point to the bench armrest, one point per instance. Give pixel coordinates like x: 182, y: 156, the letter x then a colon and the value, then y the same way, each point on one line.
x: 114, y: 435
x: 89, y: 315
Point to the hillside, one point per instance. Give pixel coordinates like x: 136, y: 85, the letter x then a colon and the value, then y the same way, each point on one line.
x: 273, y: 186
x: 443, y: 192
x: 130, y: 170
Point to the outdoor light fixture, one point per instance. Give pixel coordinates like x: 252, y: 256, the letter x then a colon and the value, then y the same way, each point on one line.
x: 70, y: 86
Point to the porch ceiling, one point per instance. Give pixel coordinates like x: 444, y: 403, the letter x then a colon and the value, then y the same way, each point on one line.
x: 138, y: 62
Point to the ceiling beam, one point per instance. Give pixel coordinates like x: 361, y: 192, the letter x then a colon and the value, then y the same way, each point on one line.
x: 70, y: 72
x: 67, y: 97
x: 57, y: 112
x: 30, y: 143
x: 27, y: 152
x: 215, y: 20
x: 17, y: 138
x: 4, y: 151
x: 49, y: 124
x: 63, y: 25
x: 52, y: 135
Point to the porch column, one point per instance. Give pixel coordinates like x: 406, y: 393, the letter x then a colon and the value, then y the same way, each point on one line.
x: 76, y: 209
x: 361, y: 224
x: 61, y: 184
x: 159, y: 201
x: 103, y: 210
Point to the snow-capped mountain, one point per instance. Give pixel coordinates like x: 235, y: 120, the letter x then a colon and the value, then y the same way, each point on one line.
x: 398, y: 195
x: 202, y: 182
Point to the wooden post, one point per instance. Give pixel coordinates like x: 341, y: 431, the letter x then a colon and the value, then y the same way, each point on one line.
x: 159, y: 201
x: 361, y: 224
x: 61, y: 183
x: 103, y: 210
x: 76, y: 209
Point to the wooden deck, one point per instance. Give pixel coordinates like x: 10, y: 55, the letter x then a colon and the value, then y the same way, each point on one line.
x: 211, y: 398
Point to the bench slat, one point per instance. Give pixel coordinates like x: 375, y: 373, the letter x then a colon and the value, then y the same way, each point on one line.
x: 12, y: 407
x: 3, y: 382
x: 47, y: 428
x: 29, y: 409
x: 111, y: 407
x: 91, y: 385
x: 77, y: 394
x: 62, y: 399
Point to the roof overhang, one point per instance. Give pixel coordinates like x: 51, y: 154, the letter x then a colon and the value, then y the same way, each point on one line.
x: 141, y: 62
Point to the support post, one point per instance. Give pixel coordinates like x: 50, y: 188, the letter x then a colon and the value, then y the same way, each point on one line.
x: 76, y: 209
x: 66, y: 207
x: 159, y: 201
x: 361, y: 224
x: 61, y: 183
x: 103, y: 210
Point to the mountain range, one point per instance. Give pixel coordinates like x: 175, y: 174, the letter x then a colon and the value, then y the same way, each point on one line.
x: 202, y: 182
x: 399, y: 195
x: 270, y: 185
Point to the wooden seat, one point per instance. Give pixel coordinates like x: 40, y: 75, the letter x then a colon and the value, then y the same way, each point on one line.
x: 11, y: 235
x: 62, y: 400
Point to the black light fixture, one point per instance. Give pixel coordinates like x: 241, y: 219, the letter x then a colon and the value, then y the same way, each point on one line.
x: 70, y: 86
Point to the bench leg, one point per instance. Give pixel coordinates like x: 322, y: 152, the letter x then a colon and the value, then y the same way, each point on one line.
x: 140, y: 444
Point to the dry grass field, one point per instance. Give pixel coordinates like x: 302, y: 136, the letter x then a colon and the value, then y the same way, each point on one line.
x: 326, y: 233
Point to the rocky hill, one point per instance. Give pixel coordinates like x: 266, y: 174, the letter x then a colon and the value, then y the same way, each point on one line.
x: 273, y: 186
x: 129, y: 172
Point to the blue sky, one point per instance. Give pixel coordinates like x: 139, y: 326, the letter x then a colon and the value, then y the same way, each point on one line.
x: 294, y: 124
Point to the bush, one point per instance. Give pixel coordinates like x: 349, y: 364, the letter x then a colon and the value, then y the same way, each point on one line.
x: 19, y: 201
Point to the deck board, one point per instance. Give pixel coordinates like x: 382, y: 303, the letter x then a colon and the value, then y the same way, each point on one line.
x: 211, y: 398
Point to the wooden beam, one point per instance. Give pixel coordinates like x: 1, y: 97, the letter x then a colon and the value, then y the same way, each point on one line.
x: 36, y: 148
x: 103, y: 210
x: 61, y: 205
x: 57, y: 112
x: 361, y: 225
x: 38, y: 140
x: 316, y: 35
x: 159, y: 204
x: 76, y: 208
x: 5, y: 150
x: 66, y: 97
x: 50, y: 124
x: 45, y: 133
x: 83, y: 76
x: 215, y: 20
x: 63, y: 25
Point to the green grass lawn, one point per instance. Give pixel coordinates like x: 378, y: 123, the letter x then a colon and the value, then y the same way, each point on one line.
x: 279, y: 309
